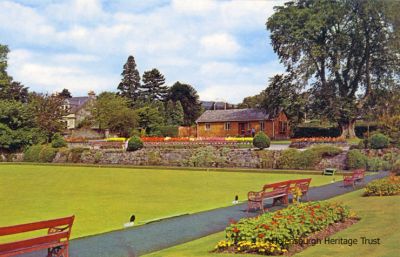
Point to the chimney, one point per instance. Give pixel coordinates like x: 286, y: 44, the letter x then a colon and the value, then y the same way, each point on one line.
x: 92, y: 94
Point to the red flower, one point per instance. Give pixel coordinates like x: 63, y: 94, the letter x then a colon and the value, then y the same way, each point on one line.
x: 236, y: 230
x: 261, y: 235
x: 266, y: 227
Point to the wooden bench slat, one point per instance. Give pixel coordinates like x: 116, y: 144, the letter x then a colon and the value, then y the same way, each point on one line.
x: 58, y: 233
x: 10, y: 230
x: 27, y: 243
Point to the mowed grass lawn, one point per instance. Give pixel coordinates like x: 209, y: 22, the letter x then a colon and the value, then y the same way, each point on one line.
x: 380, y: 219
x: 103, y: 199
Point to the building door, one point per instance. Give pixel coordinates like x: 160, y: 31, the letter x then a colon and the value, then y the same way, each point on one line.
x: 242, y: 128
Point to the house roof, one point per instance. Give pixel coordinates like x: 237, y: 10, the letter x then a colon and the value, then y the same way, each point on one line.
x: 75, y: 103
x: 233, y: 115
x: 216, y: 105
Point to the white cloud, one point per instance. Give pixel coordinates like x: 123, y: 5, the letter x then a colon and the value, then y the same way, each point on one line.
x: 88, y: 41
x: 219, y: 45
x: 60, y: 71
x: 194, y: 7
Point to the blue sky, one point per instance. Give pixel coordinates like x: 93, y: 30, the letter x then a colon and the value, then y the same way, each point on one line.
x: 222, y: 48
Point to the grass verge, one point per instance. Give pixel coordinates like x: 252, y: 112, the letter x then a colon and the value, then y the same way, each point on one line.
x: 380, y: 220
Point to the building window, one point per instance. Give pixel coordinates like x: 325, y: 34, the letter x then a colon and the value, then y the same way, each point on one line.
x: 282, y: 127
x: 208, y: 126
x: 227, y: 126
x: 262, y: 126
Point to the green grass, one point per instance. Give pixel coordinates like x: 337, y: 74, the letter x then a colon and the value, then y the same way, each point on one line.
x: 103, y: 199
x: 380, y: 219
x: 353, y: 141
x: 281, y: 142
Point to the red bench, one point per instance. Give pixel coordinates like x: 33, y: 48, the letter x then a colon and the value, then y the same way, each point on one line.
x: 55, y: 241
x: 276, y: 191
x: 303, y: 184
x: 354, y: 177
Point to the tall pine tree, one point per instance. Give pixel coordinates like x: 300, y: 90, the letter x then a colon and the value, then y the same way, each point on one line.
x: 174, y: 113
x: 130, y: 83
x: 153, y: 85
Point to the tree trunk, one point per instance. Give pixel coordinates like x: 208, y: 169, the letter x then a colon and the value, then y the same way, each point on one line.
x: 348, y: 129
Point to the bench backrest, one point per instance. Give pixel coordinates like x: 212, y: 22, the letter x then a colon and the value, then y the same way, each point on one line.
x: 59, y: 230
x: 277, y: 187
x: 303, y: 184
x: 255, y: 196
x: 46, y: 224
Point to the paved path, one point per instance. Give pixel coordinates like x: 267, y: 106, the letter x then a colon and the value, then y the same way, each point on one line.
x: 169, y: 232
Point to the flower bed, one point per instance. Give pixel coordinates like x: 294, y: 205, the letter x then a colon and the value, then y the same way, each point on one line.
x: 308, y: 141
x: 276, y: 233
x: 199, y: 139
x: 76, y: 140
x: 383, y: 187
x: 116, y: 139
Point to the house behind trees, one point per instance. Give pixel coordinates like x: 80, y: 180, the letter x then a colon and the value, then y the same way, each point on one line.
x: 240, y: 122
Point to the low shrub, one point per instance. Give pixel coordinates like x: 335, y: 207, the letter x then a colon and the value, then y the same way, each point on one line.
x: 261, y: 140
x: 308, y: 159
x: 58, y: 141
x: 356, y: 159
x: 40, y: 153
x: 207, y: 156
x: 377, y: 164
x: 273, y: 233
x: 396, y: 168
x: 134, y: 144
x: 266, y: 158
x: 32, y: 153
x: 47, y: 153
x: 383, y: 187
x: 75, y: 154
x: 288, y: 159
x: 169, y: 131
x: 379, y: 141
x: 326, y: 150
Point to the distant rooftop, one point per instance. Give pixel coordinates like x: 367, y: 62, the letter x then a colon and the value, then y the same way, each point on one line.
x: 234, y: 115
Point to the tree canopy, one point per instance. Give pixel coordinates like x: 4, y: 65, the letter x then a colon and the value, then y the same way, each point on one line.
x: 189, y: 99
x: 130, y: 83
x: 340, y: 50
x: 153, y: 87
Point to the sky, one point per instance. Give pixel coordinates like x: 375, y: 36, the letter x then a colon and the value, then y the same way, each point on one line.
x: 221, y: 48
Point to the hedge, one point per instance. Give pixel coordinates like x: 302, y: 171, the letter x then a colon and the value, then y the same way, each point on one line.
x: 315, y: 131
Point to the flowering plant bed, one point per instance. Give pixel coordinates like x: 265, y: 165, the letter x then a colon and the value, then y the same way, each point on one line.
x: 283, y: 231
x: 308, y: 141
x: 383, y: 187
x: 76, y: 140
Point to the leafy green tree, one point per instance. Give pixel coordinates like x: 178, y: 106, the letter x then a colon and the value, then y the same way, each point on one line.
x: 130, y: 83
x: 174, y: 113
x: 111, y: 111
x: 283, y: 94
x: 153, y: 87
x: 17, y: 126
x: 65, y: 93
x: 149, y: 119
x: 4, y: 78
x: 252, y: 101
x: 48, y: 113
x: 341, y: 50
x: 189, y: 99
x: 9, y: 89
